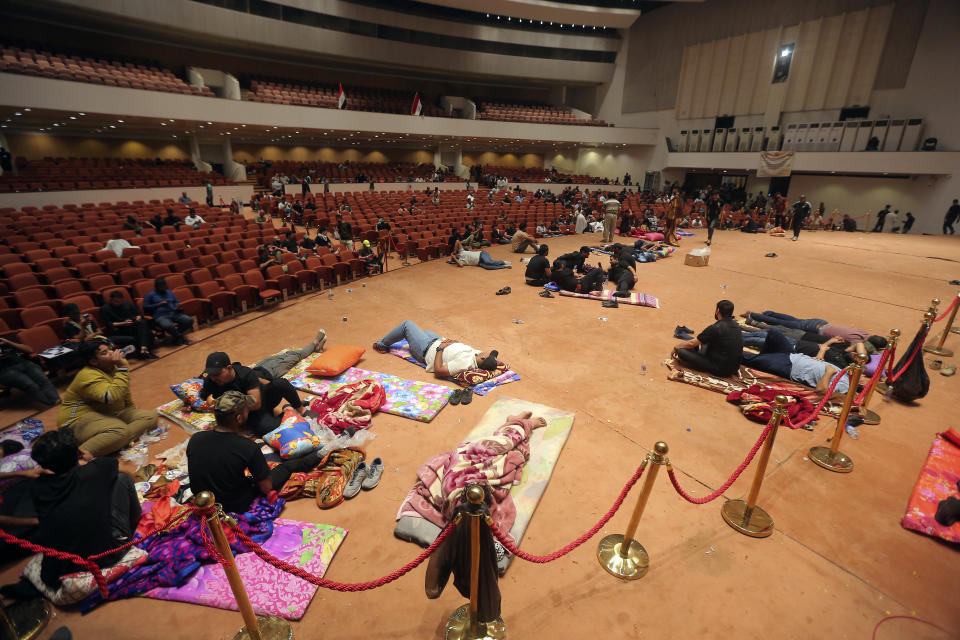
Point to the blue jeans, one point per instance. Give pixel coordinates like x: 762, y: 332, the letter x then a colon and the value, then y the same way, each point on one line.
x: 769, y: 341
x: 783, y: 320
x: 776, y: 363
x: 418, y: 339
x: 175, y: 323
x: 487, y: 262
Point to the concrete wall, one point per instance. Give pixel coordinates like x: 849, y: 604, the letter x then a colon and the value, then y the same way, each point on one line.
x: 39, y: 146
x: 60, y: 198
x: 506, y: 159
x: 251, y: 153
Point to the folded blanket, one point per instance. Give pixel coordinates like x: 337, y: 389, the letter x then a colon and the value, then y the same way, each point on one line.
x: 937, y: 482
x: 402, y: 350
x: 638, y: 299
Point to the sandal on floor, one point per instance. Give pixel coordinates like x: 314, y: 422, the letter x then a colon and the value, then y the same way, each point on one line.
x: 948, y: 371
x: 546, y: 294
x: 610, y: 304
x: 504, y: 291
x: 936, y: 364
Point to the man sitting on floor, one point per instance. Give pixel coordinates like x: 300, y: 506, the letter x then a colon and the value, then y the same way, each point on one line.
x: 98, y: 406
x: 217, y: 459
x: 623, y: 270
x: 442, y: 357
x: 84, y: 508
x: 815, y: 325
x: 124, y: 321
x: 575, y: 260
x: 521, y: 239
x: 718, y: 347
x: 564, y: 277
x: 263, y: 381
x: 17, y: 371
x: 538, y: 269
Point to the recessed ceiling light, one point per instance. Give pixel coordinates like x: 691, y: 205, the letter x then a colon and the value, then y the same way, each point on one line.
x: 81, y: 114
x: 209, y: 123
x: 73, y: 117
x: 26, y: 108
x: 57, y: 125
x: 18, y: 114
x: 163, y: 124
x: 201, y: 126
x: 120, y: 121
x: 111, y: 126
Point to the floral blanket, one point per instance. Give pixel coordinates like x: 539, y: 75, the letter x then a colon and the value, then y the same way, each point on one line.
x: 412, y: 399
x: 24, y: 432
x: 191, y: 421
x: 402, y: 350
x: 638, y: 299
x: 272, y: 592
x: 938, y: 481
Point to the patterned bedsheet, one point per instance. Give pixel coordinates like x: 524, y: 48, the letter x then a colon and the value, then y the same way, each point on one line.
x: 638, y: 299
x: 402, y: 350
x: 938, y: 481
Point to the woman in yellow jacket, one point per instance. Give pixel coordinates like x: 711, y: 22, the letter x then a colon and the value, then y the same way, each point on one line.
x: 98, y: 406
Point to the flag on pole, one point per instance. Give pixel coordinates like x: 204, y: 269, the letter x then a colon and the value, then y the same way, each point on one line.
x: 417, y: 107
x: 341, y: 99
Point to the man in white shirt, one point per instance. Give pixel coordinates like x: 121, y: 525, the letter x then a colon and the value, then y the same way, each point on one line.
x: 443, y: 357
x: 193, y: 219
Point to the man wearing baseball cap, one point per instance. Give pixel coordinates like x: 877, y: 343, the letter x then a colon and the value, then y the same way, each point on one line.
x: 217, y: 459
x: 263, y: 382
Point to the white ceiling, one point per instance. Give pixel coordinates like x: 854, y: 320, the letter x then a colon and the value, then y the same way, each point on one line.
x: 552, y: 11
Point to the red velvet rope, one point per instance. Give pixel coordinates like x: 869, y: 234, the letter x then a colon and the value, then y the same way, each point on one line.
x: 948, y: 310
x: 874, y: 379
x: 819, y: 407
x: 330, y: 584
x: 896, y: 376
x: 893, y: 354
x: 726, y: 485
x: 559, y: 553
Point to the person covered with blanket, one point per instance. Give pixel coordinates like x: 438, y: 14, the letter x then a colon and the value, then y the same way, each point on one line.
x: 218, y: 459
x: 442, y: 357
x: 264, y: 382
x: 718, y: 348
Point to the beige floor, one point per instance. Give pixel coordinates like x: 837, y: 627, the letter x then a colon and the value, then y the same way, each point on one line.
x: 838, y: 561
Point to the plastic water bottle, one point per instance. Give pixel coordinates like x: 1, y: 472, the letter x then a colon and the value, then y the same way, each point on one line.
x: 852, y: 432
x: 643, y: 367
x: 724, y: 287
x: 888, y: 392
x: 517, y: 321
x: 349, y: 290
x: 330, y: 295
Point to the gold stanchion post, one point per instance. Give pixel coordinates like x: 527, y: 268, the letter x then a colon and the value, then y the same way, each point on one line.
x: 464, y: 623
x: 939, y: 350
x: 619, y: 554
x: 830, y: 457
x: 868, y: 416
x: 747, y: 517
x: 262, y: 628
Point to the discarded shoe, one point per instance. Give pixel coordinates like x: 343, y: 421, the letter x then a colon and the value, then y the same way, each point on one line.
x: 610, y: 304
x: 374, y: 472
x: 771, y: 254
x: 546, y: 294
x: 504, y: 291
x: 948, y: 371
x: 466, y: 396
x: 356, y: 481
x: 455, y: 398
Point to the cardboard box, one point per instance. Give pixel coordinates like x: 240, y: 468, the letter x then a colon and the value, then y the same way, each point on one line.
x: 696, y: 261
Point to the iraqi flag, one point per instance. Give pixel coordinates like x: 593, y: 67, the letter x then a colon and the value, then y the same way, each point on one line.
x: 341, y: 98
x: 417, y: 107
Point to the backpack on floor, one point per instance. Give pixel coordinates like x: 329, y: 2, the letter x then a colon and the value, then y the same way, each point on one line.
x: 914, y: 382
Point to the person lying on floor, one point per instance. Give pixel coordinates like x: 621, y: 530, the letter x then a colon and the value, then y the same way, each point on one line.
x: 264, y: 382
x: 809, y: 342
x: 565, y: 279
x: 85, y: 506
x: 217, y: 459
x: 623, y: 270
x: 442, y: 357
x: 538, y: 269
x: 97, y: 406
x: 718, y: 347
x: 464, y: 258
x: 815, y: 325
x: 775, y: 357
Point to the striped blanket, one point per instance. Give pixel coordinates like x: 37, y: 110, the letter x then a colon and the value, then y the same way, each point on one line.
x: 638, y: 299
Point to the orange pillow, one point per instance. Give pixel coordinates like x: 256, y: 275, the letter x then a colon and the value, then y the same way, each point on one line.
x: 336, y: 360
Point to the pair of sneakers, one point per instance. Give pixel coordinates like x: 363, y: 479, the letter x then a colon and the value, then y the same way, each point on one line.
x: 683, y: 333
x: 365, y: 476
x: 462, y: 396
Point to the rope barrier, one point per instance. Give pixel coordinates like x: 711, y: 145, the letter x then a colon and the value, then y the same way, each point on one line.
x: 893, y: 353
x: 874, y: 379
x: 823, y: 402
x: 267, y: 557
x: 893, y: 378
x: 726, y: 485
x: 559, y: 553
x: 948, y: 310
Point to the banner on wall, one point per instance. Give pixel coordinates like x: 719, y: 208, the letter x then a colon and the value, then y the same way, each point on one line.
x: 775, y: 164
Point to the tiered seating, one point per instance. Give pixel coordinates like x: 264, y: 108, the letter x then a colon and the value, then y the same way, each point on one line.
x: 536, y: 113
x: 325, y: 96
x: 348, y: 172
x: 67, y: 174
x: 97, y: 71
x: 534, y: 174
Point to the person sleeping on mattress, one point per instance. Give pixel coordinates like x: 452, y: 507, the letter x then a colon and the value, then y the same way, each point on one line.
x: 442, y: 357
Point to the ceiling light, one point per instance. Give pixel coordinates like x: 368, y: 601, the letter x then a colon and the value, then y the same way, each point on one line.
x: 111, y: 126
x: 172, y: 120
x: 56, y: 125
x: 73, y: 117
x: 121, y: 121
x: 18, y: 114
x: 209, y: 123
x: 201, y: 126
x: 163, y: 124
x: 243, y: 125
x: 81, y: 114
x: 26, y: 108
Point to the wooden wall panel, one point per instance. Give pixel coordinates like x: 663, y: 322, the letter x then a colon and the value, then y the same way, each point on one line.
x: 851, y: 37
x: 801, y: 68
x: 823, y: 62
x: 868, y: 58
x: 721, y: 51
x: 731, y: 77
x: 748, y: 74
x: 761, y: 91
x: 704, y: 66
x: 688, y: 71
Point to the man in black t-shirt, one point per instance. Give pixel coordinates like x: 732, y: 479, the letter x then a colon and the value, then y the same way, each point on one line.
x: 263, y: 381
x: 718, y: 348
x: 345, y: 231
x: 623, y: 270
x: 567, y: 281
x: 17, y: 371
x: 217, y: 459
x: 83, y: 508
x: 122, y: 320
x: 575, y: 259
x: 538, y: 269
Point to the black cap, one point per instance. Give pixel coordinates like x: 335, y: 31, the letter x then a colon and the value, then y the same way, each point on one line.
x: 216, y: 362
x: 490, y: 362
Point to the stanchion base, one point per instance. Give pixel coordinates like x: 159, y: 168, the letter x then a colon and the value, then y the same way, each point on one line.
x: 271, y: 628
x: 458, y: 627
x: 633, y: 566
x: 943, y: 352
x: 827, y: 459
x: 868, y: 416
x: 26, y: 618
x: 760, y: 524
